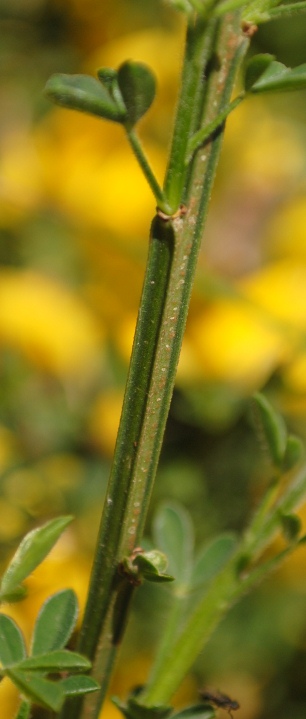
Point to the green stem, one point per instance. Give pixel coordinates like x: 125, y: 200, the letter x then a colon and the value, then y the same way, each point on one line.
x: 122, y: 514
x: 198, y: 47
x: 148, y: 172
x: 172, y: 258
x: 266, y: 525
x: 230, y: 48
x: 227, y: 6
x: 200, y: 137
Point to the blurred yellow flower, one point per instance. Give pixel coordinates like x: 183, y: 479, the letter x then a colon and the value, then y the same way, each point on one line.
x: 125, y: 335
x: 133, y: 670
x: 294, y: 376
x: 104, y: 420
x: 241, y: 340
x: 285, y: 232
x: 9, y: 699
x: 48, y: 323
x: 269, y: 146
x: 13, y: 522
x: 232, y: 343
x: 20, y: 176
x: 280, y: 290
x: 8, y: 448
x: 92, y: 175
x: 42, y: 488
x: 160, y: 48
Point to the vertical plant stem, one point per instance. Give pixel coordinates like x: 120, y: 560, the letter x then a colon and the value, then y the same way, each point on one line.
x: 230, y: 48
x: 117, y: 533
x: 173, y: 252
x: 198, y: 48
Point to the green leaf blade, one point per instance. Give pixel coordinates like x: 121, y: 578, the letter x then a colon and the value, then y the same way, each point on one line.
x: 286, y: 9
x: 16, y: 595
x: 37, y: 689
x: 78, y: 685
x: 294, y: 452
x: 212, y: 559
x: 173, y: 533
x: 152, y: 566
x: 57, y: 661
x: 137, y: 86
x: 60, y: 612
x: 83, y: 93
x: 12, y: 646
x: 278, y: 77
x: 273, y: 428
x: 138, y: 711
x: 32, y: 550
x: 255, y: 68
x: 198, y: 711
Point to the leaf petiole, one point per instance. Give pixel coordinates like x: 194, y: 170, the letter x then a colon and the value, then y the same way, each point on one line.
x: 158, y: 193
x: 198, y: 139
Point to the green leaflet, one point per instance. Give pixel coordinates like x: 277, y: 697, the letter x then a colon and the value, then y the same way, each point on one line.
x: 32, y: 550
x: 83, y: 93
x: 60, y: 612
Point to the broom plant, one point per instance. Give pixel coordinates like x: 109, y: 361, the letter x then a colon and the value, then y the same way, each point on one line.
x: 218, y: 36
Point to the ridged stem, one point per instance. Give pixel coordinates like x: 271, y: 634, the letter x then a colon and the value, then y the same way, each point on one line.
x: 173, y: 252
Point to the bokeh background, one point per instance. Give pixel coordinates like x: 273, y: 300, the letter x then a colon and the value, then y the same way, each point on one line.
x: 74, y: 221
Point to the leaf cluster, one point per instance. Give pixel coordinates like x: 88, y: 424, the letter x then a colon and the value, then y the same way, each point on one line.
x: 122, y: 95
x: 53, y: 629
